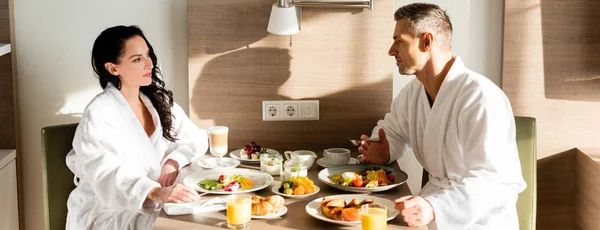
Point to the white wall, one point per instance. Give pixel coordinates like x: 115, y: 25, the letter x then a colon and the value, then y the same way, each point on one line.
x: 477, y: 39
x: 55, y: 80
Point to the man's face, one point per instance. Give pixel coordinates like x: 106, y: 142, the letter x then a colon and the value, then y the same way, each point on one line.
x: 406, y: 49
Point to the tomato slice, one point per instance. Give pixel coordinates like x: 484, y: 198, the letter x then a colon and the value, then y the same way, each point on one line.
x: 391, y: 178
x: 351, y: 214
x: 358, y: 182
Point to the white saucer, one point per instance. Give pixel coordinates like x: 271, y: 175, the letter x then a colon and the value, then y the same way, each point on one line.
x: 323, y: 162
x: 211, y: 163
x: 282, y: 210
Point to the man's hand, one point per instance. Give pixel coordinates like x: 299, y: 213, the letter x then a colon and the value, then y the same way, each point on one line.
x: 375, y: 152
x: 416, y: 210
x: 169, y: 173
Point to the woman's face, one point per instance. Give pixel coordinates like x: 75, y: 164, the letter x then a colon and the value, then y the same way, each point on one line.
x: 135, y: 66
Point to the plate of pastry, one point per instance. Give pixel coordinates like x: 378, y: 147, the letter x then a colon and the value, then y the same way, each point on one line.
x: 345, y: 209
x: 268, y: 208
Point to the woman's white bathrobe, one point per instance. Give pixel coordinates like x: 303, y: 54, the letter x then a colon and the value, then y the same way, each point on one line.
x: 466, y: 141
x: 117, y: 163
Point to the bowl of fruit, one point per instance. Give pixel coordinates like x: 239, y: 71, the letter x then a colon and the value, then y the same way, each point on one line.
x: 251, y: 153
x: 296, y: 187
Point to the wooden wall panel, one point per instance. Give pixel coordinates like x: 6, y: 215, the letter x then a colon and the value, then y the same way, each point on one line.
x: 4, y: 22
x: 7, y: 115
x: 7, y: 112
x: 571, y: 41
x: 556, y: 189
x: 587, y: 198
x: 339, y: 58
x: 550, y: 70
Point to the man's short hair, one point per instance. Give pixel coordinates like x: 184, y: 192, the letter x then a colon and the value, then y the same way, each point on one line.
x: 426, y: 17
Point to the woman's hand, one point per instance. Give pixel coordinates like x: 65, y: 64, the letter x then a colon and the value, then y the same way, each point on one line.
x: 169, y: 173
x: 177, y: 193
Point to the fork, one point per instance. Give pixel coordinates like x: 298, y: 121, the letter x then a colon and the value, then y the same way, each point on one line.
x: 357, y: 142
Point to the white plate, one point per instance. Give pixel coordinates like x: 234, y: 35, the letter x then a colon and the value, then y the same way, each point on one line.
x: 282, y: 210
x: 275, y: 189
x: 235, y: 154
x: 325, y: 164
x: 260, y: 179
x: 313, y: 208
x: 211, y: 163
x: 326, y: 174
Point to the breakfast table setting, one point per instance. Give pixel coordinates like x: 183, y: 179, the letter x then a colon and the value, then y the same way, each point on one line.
x: 294, y: 190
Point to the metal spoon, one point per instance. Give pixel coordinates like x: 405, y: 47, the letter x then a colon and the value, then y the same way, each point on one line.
x: 357, y: 142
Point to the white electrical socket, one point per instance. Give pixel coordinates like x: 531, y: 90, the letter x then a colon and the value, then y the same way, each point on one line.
x: 292, y: 110
x: 271, y: 111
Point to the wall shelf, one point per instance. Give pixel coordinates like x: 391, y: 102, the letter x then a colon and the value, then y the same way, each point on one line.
x: 4, y: 49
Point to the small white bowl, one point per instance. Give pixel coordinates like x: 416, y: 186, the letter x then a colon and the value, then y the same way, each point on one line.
x: 277, y: 185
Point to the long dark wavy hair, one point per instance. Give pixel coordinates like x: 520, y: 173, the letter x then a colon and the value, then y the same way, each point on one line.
x: 109, y: 47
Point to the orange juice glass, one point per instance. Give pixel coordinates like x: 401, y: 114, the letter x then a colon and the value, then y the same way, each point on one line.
x: 239, y: 211
x: 373, y: 217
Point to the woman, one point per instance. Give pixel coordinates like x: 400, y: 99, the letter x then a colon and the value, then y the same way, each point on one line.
x: 125, y: 132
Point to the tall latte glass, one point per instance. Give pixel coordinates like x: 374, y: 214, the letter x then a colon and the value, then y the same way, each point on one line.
x: 217, y: 136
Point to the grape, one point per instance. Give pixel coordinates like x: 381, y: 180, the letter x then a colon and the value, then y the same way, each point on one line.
x: 289, y: 191
x: 252, y: 143
x: 286, y: 186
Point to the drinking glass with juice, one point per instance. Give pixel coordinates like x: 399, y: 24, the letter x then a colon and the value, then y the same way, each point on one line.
x: 239, y: 211
x: 373, y: 217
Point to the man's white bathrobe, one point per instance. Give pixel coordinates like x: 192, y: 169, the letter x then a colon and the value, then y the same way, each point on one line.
x: 117, y: 163
x: 466, y: 141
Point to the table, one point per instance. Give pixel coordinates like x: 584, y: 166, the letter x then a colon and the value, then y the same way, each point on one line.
x: 295, y: 218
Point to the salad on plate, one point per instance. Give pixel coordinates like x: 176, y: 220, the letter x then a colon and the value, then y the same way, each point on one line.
x: 225, y: 183
x: 370, y: 177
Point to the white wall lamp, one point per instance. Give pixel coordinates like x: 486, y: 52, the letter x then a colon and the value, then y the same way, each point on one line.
x: 286, y: 14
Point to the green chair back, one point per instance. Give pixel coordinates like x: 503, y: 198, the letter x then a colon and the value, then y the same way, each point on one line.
x: 526, y: 142
x: 58, y: 179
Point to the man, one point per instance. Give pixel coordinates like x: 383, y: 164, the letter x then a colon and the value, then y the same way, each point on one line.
x: 459, y: 125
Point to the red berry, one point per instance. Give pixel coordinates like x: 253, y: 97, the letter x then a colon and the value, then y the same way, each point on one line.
x: 391, y: 177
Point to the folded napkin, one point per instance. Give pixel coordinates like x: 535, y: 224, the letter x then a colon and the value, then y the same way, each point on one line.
x: 211, y: 205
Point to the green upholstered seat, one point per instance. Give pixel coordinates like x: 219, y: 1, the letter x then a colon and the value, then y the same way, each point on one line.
x: 526, y: 142
x: 58, y: 179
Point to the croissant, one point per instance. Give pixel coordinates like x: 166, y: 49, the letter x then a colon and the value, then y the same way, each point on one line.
x: 262, y: 206
x: 276, y: 201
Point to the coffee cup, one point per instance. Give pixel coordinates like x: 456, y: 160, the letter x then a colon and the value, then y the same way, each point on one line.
x: 306, y: 156
x: 336, y: 156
